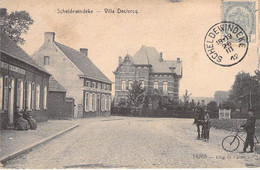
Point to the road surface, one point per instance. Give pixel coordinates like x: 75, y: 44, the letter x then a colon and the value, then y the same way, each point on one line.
x: 124, y: 142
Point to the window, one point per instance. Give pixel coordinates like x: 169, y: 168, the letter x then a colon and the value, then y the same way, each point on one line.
x: 105, y: 102
x: 109, y: 103
x: 108, y: 87
x: 123, y: 85
x: 37, y: 96
x: 130, y: 84
x: 142, y: 83
x: 87, y: 83
x: 165, y: 86
x: 1, y: 92
x: 28, y: 94
x: 33, y: 95
x: 6, y: 82
x: 46, y: 60
x: 45, y: 98
x: 19, y: 100
x: 86, y: 102
x: 104, y: 86
x: 102, y: 103
x: 94, y: 84
x: 99, y: 85
x: 90, y: 102
x: 93, y: 102
x: 155, y: 85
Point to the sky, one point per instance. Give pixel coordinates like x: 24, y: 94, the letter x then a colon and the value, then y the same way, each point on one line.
x: 176, y: 29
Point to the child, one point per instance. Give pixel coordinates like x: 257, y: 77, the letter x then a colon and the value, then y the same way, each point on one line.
x: 206, y: 127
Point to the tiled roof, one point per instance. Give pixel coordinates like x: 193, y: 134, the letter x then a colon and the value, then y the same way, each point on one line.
x: 150, y: 56
x: 10, y: 48
x: 55, y: 86
x: 83, y: 63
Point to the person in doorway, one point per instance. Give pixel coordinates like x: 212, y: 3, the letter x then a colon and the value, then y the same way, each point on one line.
x: 249, y: 127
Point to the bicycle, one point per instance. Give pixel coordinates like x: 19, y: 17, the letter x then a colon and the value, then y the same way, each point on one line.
x: 232, y: 142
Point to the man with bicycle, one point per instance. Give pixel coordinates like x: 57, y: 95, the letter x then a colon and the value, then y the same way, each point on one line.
x: 249, y: 127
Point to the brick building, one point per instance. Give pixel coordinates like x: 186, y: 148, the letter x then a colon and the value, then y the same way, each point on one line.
x: 149, y: 67
x: 22, y: 84
x: 59, y: 106
x: 82, y: 80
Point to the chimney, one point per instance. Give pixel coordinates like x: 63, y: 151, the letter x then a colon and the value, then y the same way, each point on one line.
x: 178, y: 60
x: 120, y: 60
x: 49, y: 36
x: 84, y: 51
x: 161, y: 56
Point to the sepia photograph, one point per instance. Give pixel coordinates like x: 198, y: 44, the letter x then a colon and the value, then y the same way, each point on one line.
x: 141, y: 84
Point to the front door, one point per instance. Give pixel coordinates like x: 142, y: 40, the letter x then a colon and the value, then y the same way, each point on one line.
x: 11, y: 102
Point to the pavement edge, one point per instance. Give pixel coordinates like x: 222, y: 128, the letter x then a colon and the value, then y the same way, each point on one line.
x: 27, y: 149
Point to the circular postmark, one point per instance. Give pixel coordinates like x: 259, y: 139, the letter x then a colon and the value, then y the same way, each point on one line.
x: 226, y: 44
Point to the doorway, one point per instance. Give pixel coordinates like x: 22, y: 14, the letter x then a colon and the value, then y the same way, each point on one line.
x: 98, y: 105
x: 11, y: 102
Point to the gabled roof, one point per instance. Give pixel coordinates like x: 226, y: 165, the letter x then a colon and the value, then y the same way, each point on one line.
x: 10, y: 48
x: 55, y: 86
x: 83, y: 63
x: 150, y: 56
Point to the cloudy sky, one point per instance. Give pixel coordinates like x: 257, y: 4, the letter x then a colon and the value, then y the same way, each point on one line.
x: 176, y: 29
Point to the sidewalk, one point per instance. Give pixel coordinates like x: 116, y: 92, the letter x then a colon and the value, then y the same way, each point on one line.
x: 13, y: 141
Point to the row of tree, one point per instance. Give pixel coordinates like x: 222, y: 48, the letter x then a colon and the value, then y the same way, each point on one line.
x: 139, y: 97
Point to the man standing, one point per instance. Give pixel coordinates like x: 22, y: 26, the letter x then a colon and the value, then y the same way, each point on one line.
x: 249, y: 127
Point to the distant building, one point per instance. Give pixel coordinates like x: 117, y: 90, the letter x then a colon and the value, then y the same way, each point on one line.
x: 22, y: 84
x: 82, y: 80
x: 148, y: 67
x: 221, y: 96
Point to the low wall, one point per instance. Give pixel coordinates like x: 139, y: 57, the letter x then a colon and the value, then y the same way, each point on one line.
x: 127, y: 111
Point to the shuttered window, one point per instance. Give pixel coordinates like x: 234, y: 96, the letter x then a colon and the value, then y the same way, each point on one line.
x: 38, y: 96
x: 45, y: 97
x: 19, y: 98
x: 1, y: 92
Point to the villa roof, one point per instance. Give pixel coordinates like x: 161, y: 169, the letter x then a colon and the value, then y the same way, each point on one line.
x: 150, y: 56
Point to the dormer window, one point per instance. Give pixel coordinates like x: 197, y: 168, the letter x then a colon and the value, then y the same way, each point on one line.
x: 87, y: 83
x: 46, y: 60
x: 94, y: 84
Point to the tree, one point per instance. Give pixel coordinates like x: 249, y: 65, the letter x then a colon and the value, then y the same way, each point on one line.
x: 192, y: 104
x: 186, y: 96
x: 242, y: 90
x: 229, y: 105
x: 136, y: 95
x: 212, y: 106
x: 15, y: 24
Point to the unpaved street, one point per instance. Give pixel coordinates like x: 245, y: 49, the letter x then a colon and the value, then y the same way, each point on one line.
x: 118, y: 142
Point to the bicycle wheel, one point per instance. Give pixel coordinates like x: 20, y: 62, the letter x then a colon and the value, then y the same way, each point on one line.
x: 230, y: 143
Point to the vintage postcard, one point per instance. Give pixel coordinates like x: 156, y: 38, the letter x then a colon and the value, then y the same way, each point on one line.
x: 129, y: 84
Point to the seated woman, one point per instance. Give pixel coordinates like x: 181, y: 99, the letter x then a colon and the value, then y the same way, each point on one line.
x: 30, y: 119
x: 20, y: 123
